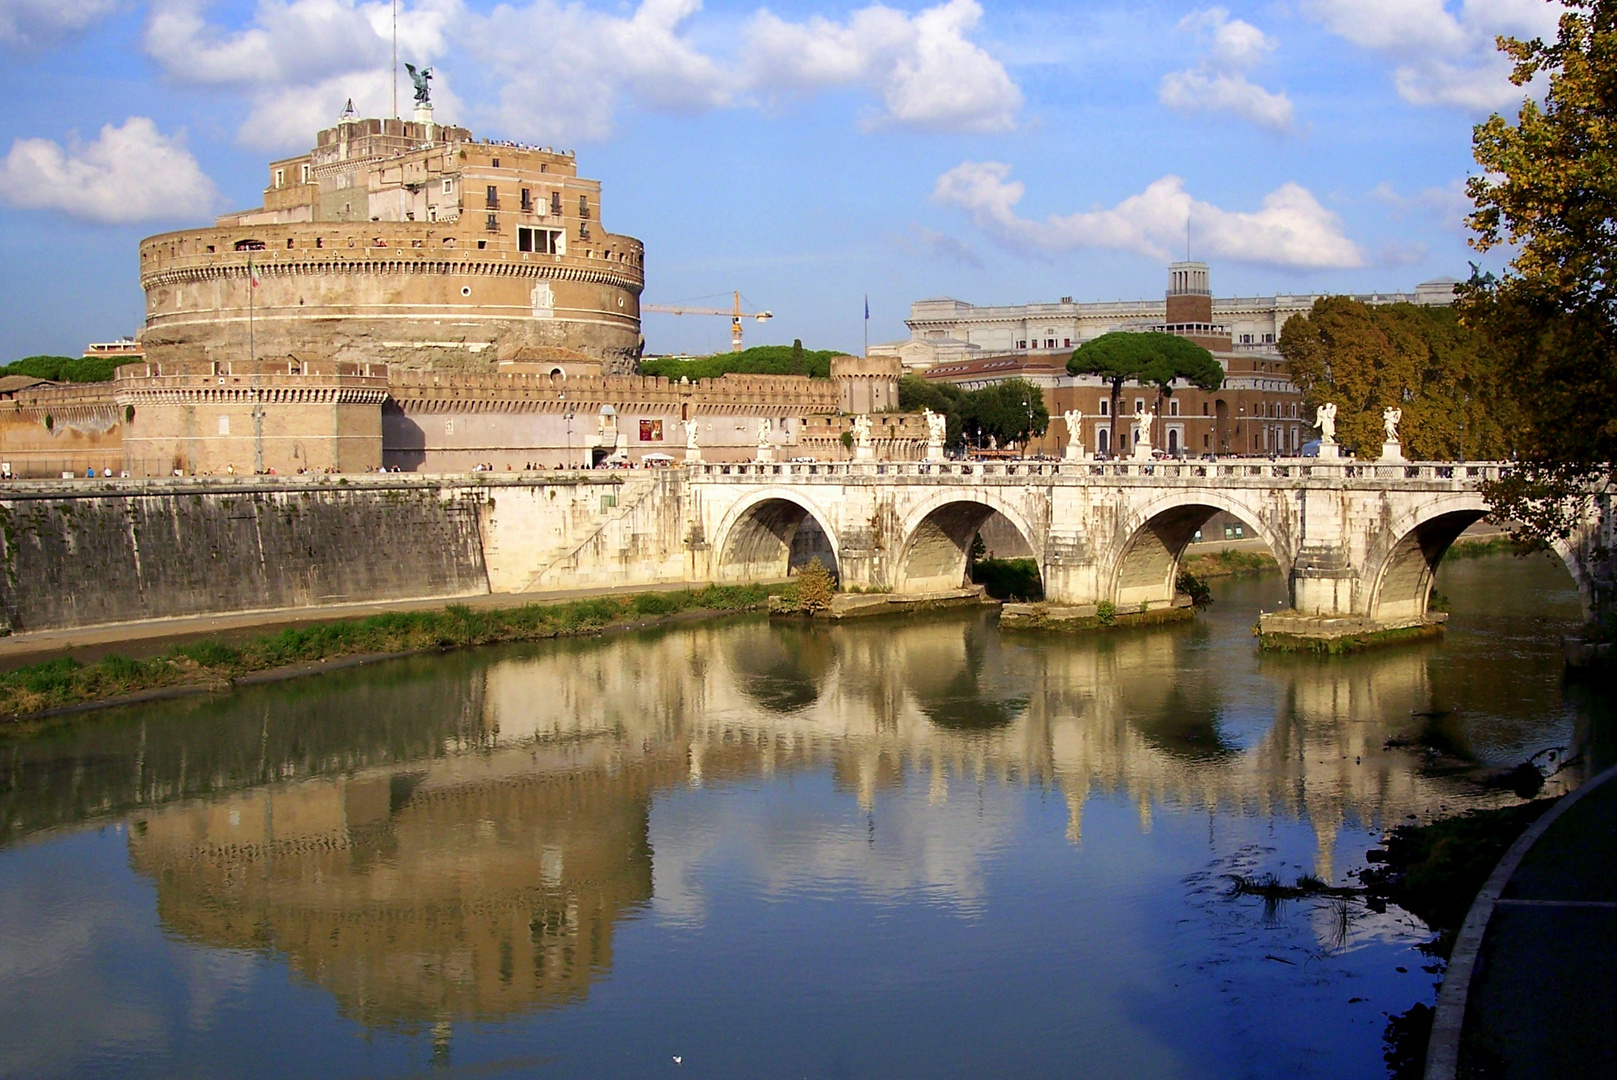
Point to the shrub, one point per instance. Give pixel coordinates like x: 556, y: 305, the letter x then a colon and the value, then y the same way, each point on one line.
x: 815, y: 587
x: 1195, y: 588
x: 1106, y: 613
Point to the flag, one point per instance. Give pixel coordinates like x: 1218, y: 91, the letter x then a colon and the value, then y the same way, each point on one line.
x: 252, y: 272
x: 867, y: 307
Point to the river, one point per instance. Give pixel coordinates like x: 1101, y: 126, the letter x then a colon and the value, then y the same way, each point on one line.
x: 744, y: 849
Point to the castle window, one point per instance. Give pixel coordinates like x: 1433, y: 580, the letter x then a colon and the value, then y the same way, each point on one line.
x: 496, y: 163
x: 527, y: 200
x: 280, y: 178
x: 493, y: 197
x: 555, y: 203
x: 1105, y: 406
x: 248, y: 245
x: 289, y: 243
x: 540, y: 241
x: 449, y: 185
x: 1204, y: 409
x: 482, y: 245
x: 1173, y: 406
x: 303, y: 172
x: 583, y: 206
x: 493, y: 224
x: 224, y: 424
x: 319, y: 241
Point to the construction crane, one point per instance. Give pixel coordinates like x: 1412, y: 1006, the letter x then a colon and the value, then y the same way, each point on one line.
x: 735, y: 314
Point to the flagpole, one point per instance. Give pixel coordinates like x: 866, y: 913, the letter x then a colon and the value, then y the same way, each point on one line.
x: 252, y: 287
x: 867, y: 325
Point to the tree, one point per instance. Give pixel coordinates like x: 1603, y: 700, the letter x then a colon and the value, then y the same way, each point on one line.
x: 1148, y: 359
x: 1007, y: 412
x: 66, y: 368
x: 799, y: 362
x: 1188, y: 362
x: 1548, y: 189
x: 1423, y: 360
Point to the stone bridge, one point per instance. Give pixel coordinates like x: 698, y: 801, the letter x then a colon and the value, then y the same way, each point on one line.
x: 1356, y: 541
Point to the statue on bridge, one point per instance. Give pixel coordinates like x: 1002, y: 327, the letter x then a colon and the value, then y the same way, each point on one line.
x: 420, y: 78
x: 861, y: 439
x: 1325, y: 420
x: 693, y: 452
x: 1391, y: 450
x: 766, y: 448
x: 1142, y: 436
x: 937, y: 431
x: 1075, y: 434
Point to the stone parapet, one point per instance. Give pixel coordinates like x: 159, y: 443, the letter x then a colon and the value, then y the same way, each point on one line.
x: 762, y: 395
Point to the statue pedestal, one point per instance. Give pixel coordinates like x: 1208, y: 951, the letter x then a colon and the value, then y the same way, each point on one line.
x: 766, y: 453
x: 934, y: 452
x: 423, y: 115
x: 693, y: 453
x: 1076, y: 452
x: 1330, y: 451
x: 1392, y: 453
x: 864, y: 453
x: 1142, y: 452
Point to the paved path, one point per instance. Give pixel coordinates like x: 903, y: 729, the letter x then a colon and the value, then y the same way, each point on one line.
x: 1542, y: 993
x: 138, y: 639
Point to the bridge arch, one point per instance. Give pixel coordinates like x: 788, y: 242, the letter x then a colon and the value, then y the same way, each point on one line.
x: 937, y: 537
x: 758, y: 536
x: 1402, y: 575
x: 1144, y: 568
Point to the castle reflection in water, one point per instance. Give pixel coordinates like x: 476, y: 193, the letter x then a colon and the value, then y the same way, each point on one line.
x: 458, y: 837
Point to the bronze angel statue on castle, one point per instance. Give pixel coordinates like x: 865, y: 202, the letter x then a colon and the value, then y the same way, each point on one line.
x: 423, y: 94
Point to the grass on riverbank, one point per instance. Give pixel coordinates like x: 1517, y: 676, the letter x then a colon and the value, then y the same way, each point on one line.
x: 1476, y: 549
x: 1228, y: 563
x: 1435, y: 871
x: 65, y: 682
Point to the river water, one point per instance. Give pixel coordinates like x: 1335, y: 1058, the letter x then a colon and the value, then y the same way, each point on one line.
x: 743, y: 849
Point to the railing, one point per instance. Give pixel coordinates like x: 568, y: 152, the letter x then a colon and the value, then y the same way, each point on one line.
x: 1243, y: 471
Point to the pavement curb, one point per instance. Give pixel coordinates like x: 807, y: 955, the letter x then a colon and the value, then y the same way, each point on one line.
x: 1443, y: 1048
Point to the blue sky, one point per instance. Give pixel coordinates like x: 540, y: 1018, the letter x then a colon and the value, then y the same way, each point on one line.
x: 806, y: 153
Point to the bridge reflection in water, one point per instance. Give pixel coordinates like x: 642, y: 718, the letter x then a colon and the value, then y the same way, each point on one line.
x: 462, y: 837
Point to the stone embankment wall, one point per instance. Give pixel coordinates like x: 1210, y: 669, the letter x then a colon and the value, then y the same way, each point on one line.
x: 147, y: 551
x: 83, y: 552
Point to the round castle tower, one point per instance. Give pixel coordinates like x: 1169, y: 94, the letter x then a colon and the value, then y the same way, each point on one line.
x: 406, y: 243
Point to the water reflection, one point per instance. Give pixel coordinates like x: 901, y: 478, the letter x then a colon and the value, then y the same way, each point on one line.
x: 464, y: 837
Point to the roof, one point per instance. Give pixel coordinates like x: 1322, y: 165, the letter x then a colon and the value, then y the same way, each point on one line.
x: 10, y: 384
x: 995, y: 365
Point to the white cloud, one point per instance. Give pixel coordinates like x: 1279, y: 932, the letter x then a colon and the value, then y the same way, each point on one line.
x: 1444, y: 53
x: 1448, y: 206
x: 931, y: 244
x: 39, y: 22
x: 590, y: 64
x: 925, y: 69
x: 1290, y: 229
x: 564, y: 70
x: 131, y: 173
x: 1219, y: 82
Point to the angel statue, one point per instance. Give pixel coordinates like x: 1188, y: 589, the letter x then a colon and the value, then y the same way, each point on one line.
x: 1075, y: 429
x: 1325, y: 420
x: 690, y: 433
x: 1142, y: 428
x: 423, y: 94
x: 1389, y: 422
x: 937, y: 427
x: 861, y: 430
x: 765, y: 426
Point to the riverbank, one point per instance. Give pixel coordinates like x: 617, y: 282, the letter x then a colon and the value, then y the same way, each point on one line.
x: 1230, y: 562
x: 39, y: 691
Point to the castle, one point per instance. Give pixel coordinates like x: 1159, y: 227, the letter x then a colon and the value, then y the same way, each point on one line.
x: 408, y: 297
x: 404, y: 243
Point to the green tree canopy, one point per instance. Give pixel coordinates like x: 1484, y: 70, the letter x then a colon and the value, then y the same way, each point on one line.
x: 66, y: 368
x: 1149, y: 359
x: 758, y: 360
x: 1548, y: 189
x: 1009, y: 411
x: 1423, y: 360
